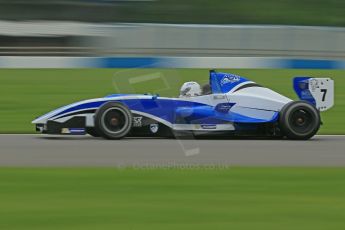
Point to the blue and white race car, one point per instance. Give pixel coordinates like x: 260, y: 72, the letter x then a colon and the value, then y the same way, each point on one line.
x: 230, y: 105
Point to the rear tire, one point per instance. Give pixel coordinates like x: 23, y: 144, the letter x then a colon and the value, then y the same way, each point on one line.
x: 299, y: 120
x: 113, y: 120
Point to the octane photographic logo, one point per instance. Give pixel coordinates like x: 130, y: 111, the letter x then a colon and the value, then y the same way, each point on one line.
x: 229, y: 79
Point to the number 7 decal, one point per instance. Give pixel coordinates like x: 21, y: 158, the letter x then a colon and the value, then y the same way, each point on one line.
x: 324, y: 91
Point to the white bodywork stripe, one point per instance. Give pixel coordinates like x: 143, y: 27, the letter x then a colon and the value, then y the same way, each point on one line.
x: 88, y: 116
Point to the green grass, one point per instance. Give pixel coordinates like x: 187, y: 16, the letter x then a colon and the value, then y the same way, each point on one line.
x: 28, y: 93
x: 196, y: 198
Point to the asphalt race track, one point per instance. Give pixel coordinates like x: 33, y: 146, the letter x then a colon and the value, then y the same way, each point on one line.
x: 62, y: 151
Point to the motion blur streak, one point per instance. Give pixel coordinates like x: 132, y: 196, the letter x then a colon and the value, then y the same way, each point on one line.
x: 59, y: 38
x: 287, y: 12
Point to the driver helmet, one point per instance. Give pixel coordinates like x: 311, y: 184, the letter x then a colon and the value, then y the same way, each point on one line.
x: 190, y: 89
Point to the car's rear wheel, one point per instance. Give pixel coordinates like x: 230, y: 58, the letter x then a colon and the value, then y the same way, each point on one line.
x: 113, y: 120
x: 299, y: 120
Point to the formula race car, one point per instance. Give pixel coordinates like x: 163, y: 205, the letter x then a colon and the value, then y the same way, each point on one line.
x: 230, y: 105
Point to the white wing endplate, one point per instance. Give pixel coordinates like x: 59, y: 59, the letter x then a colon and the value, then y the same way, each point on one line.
x: 322, y: 89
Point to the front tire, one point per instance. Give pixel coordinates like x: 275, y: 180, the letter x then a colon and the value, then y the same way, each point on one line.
x: 113, y: 120
x: 299, y: 120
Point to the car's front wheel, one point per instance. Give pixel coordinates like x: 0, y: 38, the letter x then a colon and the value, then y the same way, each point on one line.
x: 113, y: 120
x: 299, y: 120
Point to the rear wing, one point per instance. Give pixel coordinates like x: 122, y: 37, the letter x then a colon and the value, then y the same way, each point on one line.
x: 318, y: 91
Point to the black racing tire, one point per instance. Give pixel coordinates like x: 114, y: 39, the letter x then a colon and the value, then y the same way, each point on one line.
x: 299, y: 120
x: 113, y: 120
x: 92, y: 132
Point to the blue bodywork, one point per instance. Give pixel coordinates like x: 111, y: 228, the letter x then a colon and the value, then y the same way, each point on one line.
x: 224, y: 82
x: 301, y: 87
x: 177, y: 111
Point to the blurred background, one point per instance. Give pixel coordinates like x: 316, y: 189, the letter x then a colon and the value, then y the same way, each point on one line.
x: 296, y: 12
x: 173, y: 28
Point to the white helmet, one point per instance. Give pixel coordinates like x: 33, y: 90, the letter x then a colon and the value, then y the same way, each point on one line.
x: 190, y: 89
